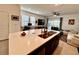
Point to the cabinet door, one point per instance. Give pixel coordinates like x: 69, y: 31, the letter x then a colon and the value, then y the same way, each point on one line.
x: 48, y: 47
x: 4, y: 25
x: 51, y: 45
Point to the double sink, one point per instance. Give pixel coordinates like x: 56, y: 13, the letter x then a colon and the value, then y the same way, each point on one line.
x: 46, y: 34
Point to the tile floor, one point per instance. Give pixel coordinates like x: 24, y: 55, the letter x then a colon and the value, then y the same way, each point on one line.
x: 65, y: 49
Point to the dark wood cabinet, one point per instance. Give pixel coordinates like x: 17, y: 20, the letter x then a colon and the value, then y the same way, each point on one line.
x: 51, y: 45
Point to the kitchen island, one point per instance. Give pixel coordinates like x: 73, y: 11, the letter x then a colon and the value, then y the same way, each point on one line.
x: 32, y: 43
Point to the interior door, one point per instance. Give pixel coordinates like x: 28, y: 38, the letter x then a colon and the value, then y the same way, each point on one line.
x: 4, y: 25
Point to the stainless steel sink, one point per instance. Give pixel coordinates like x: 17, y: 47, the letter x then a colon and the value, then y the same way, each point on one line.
x: 46, y: 34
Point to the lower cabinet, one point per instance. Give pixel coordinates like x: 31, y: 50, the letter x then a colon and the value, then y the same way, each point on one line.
x: 51, y: 45
x: 48, y: 48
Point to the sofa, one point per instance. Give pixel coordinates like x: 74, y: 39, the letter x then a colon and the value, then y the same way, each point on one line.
x: 73, y: 39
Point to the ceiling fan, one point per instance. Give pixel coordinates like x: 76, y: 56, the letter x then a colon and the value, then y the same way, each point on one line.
x: 56, y: 13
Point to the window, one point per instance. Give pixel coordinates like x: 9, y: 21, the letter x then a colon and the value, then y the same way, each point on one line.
x: 49, y: 24
x: 25, y: 20
x: 54, y: 23
x: 32, y: 20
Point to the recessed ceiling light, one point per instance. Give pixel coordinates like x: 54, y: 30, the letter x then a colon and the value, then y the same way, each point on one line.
x: 58, y: 4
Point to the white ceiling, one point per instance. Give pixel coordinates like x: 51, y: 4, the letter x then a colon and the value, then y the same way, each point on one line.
x: 48, y: 9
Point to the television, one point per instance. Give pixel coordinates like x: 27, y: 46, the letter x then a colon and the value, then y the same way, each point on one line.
x: 41, y: 21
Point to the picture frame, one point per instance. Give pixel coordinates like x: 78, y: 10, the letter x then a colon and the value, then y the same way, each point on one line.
x: 71, y: 21
x: 14, y: 17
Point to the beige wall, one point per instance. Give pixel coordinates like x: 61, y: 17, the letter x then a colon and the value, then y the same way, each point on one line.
x: 65, y: 24
x: 14, y: 26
